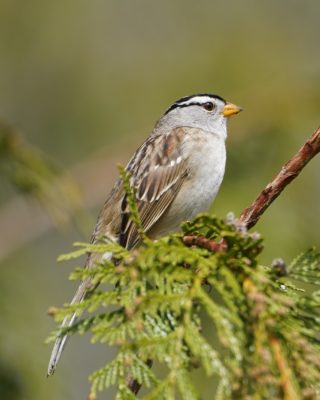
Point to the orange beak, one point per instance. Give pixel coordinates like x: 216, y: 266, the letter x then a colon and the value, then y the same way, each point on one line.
x: 230, y: 109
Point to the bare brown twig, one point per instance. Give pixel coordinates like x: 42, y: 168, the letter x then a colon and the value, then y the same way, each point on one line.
x: 251, y: 215
x: 201, y: 241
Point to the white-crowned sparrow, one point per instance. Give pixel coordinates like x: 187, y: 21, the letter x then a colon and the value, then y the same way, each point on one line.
x: 176, y: 174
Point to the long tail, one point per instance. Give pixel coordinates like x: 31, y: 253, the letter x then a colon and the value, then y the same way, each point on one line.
x: 80, y: 295
x: 67, y: 322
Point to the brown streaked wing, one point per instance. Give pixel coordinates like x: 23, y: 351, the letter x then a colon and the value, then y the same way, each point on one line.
x: 159, y: 185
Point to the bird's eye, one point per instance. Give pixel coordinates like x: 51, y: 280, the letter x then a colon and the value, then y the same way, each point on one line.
x: 208, y: 106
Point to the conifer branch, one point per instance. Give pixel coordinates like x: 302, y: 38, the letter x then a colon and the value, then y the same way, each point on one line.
x: 251, y: 215
x: 249, y: 218
x: 133, y: 384
x: 289, y: 391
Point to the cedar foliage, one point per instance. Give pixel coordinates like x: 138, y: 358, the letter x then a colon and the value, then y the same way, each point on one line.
x: 252, y: 328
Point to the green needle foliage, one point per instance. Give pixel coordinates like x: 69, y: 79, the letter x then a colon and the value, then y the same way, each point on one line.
x: 251, y: 329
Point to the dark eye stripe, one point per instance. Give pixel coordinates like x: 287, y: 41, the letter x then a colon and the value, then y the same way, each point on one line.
x: 181, y: 102
x: 176, y: 105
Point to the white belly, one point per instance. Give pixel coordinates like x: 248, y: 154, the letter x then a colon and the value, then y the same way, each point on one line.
x: 206, y: 166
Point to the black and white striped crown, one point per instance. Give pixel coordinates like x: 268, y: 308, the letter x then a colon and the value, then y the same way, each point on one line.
x: 194, y: 100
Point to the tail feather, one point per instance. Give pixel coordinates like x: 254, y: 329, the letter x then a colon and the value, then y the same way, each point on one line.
x: 85, y: 286
x: 59, y: 346
x: 67, y: 322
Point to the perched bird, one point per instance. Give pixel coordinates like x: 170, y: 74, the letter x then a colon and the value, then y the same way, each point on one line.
x: 176, y: 174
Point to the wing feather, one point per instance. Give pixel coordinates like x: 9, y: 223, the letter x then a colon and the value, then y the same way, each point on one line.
x: 160, y: 183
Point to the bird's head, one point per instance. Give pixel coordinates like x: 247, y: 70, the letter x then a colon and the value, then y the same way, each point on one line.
x: 204, y: 111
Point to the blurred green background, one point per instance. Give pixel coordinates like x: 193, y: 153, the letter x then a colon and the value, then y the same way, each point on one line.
x: 84, y: 81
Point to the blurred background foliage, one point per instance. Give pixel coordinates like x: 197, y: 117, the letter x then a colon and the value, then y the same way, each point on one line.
x: 83, y: 83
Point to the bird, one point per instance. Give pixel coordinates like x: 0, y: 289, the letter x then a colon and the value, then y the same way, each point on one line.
x: 176, y: 173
